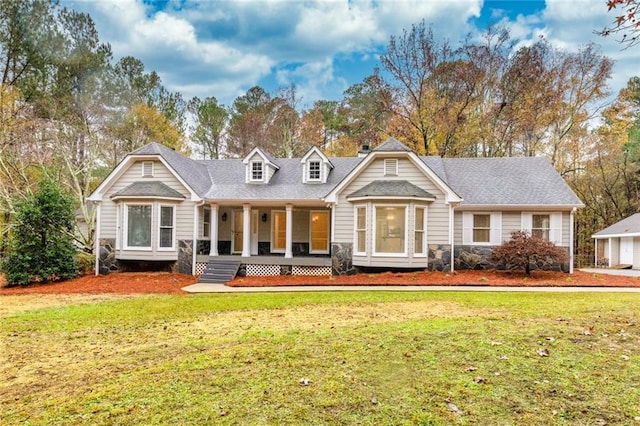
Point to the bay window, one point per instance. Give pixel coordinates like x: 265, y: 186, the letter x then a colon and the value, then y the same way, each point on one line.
x: 138, y: 225
x: 390, y: 230
x: 419, y: 246
x: 167, y: 225
x: 361, y: 230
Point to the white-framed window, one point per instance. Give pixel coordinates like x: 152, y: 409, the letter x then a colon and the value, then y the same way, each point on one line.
x: 278, y: 231
x: 137, y: 225
x: 420, y: 240
x: 541, y: 226
x: 545, y: 225
x: 257, y: 171
x: 314, y: 171
x: 167, y: 226
x: 390, y: 230
x: 391, y: 167
x: 147, y: 169
x: 360, y: 230
x: 482, y: 228
x: 319, y: 231
x: 206, y: 223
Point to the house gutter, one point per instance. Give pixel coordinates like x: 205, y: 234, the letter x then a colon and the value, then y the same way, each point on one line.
x: 97, y: 238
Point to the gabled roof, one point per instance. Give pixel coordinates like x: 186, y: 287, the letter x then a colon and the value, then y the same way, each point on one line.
x: 397, y: 189
x: 148, y: 189
x: 512, y: 181
x: 194, y: 174
x: 391, y: 145
x: 629, y: 227
x: 314, y: 149
x: 268, y: 158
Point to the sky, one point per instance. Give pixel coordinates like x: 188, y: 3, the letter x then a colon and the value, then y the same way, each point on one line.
x: 222, y: 48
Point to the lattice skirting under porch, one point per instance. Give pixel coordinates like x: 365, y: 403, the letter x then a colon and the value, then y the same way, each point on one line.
x: 311, y: 270
x: 200, y: 266
x: 262, y: 270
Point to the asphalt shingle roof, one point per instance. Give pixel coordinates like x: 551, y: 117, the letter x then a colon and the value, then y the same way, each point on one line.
x: 630, y: 225
x: 148, y: 189
x: 526, y: 181
x: 390, y: 188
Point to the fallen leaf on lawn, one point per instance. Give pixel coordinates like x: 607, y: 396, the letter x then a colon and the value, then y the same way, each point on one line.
x: 543, y: 352
x: 304, y: 381
x: 480, y: 380
x: 454, y: 408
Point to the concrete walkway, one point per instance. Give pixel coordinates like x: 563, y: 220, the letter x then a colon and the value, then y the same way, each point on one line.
x: 221, y: 288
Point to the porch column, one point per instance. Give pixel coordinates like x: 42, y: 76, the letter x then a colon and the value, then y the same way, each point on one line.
x: 213, y: 225
x: 246, y: 230
x: 288, y: 252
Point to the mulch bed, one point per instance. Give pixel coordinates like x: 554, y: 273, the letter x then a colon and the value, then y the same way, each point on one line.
x: 168, y: 283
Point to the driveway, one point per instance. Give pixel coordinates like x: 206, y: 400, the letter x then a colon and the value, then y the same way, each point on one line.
x: 607, y: 271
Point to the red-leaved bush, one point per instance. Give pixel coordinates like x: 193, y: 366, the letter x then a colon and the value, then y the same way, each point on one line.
x: 523, y: 250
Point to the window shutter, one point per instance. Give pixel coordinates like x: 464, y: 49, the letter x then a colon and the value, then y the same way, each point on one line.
x: 527, y: 222
x: 555, y: 233
x: 467, y: 228
x: 496, y: 228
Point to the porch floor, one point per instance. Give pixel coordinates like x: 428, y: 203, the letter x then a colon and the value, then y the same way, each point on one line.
x: 272, y: 260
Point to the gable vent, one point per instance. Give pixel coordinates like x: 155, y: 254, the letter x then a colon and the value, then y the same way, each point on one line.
x: 147, y: 169
x: 391, y: 167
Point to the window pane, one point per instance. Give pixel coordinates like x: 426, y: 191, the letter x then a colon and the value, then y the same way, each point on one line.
x: 481, y: 221
x: 390, y: 229
x: 166, y: 227
x: 314, y: 170
x: 256, y: 170
x: 139, y: 226
x: 419, y: 242
x: 419, y: 220
x: 481, y: 235
x: 361, y: 229
x: 541, y: 221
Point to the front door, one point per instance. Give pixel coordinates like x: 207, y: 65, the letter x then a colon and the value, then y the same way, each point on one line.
x: 237, y: 228
x: 238, y: 232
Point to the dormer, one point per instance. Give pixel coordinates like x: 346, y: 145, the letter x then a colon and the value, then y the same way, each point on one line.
x: 315, y: 166
x: 259, y: 166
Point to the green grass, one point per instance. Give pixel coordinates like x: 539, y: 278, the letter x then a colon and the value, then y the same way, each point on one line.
x: 371, y: 358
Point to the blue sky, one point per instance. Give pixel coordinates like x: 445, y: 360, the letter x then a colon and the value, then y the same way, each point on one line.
x: 222, y: 48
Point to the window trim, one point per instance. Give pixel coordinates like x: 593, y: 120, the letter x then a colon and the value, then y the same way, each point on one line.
x: 424, y: 251
x: 309, y: 170
x: 555, y: 224
x: 173, y: 228
x: 125, y: 233
x: 356, y: 230
x: 327, y: 213
x: 252, y: 163
x: 495, y: 228
x: 374, y: 221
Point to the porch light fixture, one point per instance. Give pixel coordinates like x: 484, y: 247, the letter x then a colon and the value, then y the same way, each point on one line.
x: 264, y: 217
x: 224, y: 216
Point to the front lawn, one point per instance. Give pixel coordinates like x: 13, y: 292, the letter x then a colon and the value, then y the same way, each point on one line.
x: 325, y: 358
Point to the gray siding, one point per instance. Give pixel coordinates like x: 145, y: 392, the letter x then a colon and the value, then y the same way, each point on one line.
x: 109, y: 213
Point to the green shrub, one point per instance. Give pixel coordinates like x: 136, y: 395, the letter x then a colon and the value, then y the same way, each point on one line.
x: 85, y: 261
x: 41, y: 245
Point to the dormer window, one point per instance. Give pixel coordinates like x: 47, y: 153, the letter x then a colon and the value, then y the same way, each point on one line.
x: 314, y: 171
x: 257, y: 171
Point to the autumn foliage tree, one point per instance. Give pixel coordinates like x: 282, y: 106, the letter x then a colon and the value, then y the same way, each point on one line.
x: 524, y: 250
x: 626, y: 22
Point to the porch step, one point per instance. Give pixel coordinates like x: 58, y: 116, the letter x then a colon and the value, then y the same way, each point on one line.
x: 219, y: 271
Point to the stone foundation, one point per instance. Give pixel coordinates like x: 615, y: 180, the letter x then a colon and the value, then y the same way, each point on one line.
x: 342, y: 259
x: 107, y: 261
x: 185, y: 257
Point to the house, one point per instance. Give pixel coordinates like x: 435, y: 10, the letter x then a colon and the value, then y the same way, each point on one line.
x: 386, y: 208
x: 619, y: 244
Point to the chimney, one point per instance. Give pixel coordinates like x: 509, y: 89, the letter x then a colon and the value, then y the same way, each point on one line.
x: 364, y: 151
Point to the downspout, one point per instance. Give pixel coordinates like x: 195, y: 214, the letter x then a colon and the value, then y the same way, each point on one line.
x: 452, y: 208
x: 97, y: 238
x: 571, y: 236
